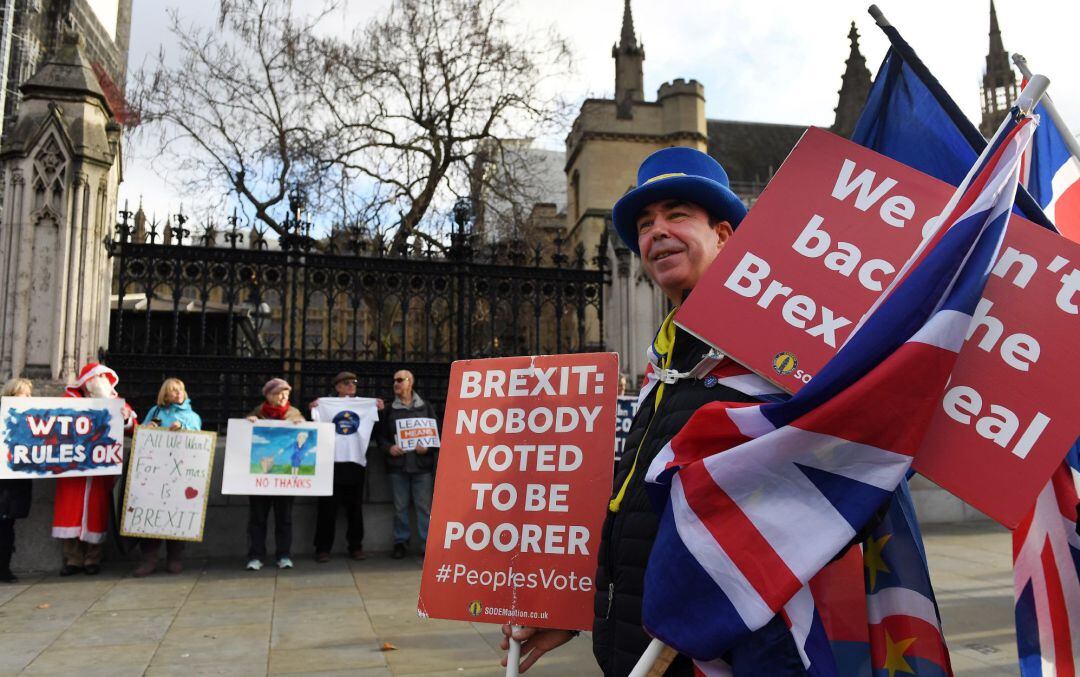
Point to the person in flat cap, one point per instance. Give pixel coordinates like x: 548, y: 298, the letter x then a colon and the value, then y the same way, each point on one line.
x: 678, y: 219
x: 350, y: 421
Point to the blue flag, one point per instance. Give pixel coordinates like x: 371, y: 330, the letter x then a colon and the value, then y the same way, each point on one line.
x: 910, y: 118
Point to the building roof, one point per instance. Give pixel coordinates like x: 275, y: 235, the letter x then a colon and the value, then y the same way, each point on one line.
x: 751, y: 152
x: 67, y: 70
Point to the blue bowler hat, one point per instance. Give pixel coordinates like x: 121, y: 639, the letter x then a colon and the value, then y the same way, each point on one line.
x: 677, y: 173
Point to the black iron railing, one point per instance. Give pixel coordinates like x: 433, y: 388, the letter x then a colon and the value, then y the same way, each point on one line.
x: 225, y: 315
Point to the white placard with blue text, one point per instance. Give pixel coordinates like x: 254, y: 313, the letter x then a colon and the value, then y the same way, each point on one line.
x: 49, y: 437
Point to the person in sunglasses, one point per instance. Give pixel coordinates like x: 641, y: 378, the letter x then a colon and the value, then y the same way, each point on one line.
x: 411, y: 471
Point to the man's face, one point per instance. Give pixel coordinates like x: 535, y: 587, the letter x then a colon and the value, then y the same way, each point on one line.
x: 677, y: 244
x: 346, y: 388
x: 403, y: 384
x: 98, y: 386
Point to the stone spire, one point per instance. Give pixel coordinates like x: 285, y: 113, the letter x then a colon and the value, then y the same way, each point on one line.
x: 628, y: 55
x: 999, y: 86
x: 854, y: 88
x: 627, y: 38
x: 140, y: 224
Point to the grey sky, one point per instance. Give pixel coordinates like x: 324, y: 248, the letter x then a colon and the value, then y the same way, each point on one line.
x: 765, y: 60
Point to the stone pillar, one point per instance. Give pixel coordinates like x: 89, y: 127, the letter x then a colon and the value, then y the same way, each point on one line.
x: 60, y: 164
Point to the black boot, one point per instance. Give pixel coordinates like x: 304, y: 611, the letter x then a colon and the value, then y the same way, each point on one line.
x: 5, y: 568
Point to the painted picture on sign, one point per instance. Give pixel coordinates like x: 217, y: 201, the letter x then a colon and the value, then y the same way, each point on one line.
x: 283, y: 451
x: 278, y: 458
x: 60, y: 437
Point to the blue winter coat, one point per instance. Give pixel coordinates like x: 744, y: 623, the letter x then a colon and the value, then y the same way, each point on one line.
x: 182, y: 412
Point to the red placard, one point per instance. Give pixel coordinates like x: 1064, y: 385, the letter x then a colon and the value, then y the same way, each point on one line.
x: 825, y: 237
x: 524, y: 476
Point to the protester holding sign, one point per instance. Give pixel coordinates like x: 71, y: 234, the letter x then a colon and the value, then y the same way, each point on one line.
x: 677, y: 220
x: 275, y: 407
x: 81, y: 506
x: 353, y: 418
x: 411, y: 472
x: 173, y: 411
x: 15, y: 495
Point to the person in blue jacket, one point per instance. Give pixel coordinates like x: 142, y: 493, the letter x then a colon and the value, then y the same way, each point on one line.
x: 172, y: 411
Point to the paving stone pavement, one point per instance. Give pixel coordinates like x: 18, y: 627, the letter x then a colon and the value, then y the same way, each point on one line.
x: 334, y: 618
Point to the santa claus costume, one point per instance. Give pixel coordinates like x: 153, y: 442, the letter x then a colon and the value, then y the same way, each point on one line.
x: 81, y: 506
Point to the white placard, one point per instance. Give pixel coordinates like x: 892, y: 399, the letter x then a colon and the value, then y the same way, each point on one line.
x: 168, y: 484
x: 278, y: 458
x: 353, y: 419
x: 414, y: 432
x: 47, y: 437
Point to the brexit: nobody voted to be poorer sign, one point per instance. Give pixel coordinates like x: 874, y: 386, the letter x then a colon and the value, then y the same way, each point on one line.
x: 524, y: 474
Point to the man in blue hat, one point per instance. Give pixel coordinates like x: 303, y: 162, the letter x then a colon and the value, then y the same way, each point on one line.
x: 677, y: 219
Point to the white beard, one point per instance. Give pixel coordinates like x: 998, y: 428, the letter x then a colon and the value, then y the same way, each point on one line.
x: 99, y: 387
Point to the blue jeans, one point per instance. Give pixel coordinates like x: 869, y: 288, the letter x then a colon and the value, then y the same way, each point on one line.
x: 419, y: 487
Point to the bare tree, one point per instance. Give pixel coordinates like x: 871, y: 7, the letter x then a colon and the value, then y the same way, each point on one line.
x: 231, y: 113
x: 427, y: 94
x: 382, y: 129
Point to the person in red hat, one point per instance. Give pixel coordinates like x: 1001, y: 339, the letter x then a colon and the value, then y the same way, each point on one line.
x: 81, y: 506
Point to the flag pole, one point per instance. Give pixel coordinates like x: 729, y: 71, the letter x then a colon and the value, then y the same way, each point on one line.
x: 645, y: 663
x: 513, y: 655
x: 1027, y: 204
x: 1070, y: 141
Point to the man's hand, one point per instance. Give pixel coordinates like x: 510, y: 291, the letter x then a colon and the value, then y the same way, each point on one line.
x: 421, y: 449
x: 252, y: 419
x: 379, y: 404
x: 313, y: 404
x: 175, y: 425
x: 395, y: 450
x: 535, y: 642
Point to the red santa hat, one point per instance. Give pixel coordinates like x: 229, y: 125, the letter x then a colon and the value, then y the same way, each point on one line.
x: 89, y: 371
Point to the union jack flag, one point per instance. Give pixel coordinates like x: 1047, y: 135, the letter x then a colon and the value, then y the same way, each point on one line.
x: 1046, y: 548
x: 1046, y: 560
x: 759, y: 498
x: 1052, y: 175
